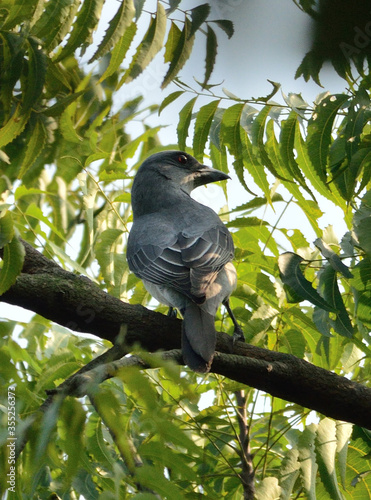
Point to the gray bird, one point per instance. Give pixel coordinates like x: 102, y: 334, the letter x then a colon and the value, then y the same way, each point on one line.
x: 181, y: 249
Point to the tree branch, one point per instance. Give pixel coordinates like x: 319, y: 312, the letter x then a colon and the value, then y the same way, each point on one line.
x: 77, y: 303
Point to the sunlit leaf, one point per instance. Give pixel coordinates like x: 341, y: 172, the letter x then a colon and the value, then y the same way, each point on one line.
x: 185, y: 116
x: 148, y: 48
x: 13, y: 257
x: 202, y: 127
x: 117, y: 26
x: 292, y: 276
x: 85, y: 23
x: 181, y: 53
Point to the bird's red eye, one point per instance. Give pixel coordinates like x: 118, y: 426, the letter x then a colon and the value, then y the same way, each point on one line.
x: 182, y: 159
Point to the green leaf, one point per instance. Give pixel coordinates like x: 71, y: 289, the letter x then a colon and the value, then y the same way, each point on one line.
x: 148, y: 48
x: 320, y: 130
x: 169, y: 99
x: 13, y: 258
x: 326, y: 452
x: 226, y: 26
x: 211, y: 52
x: 305, y: 165
x: 202, y: 126
x: 105, y: 253
x: 71, y: 425
x: 119, y: 51
x: 6, y: 228
x: 17, y: 12
x: 330, y: 289
x: 36, y: 141
x: 362, y: 283
x: 14, y: 126
x: 180, y: 54
x: 33, y: 83
x: 289, y: 472
x: 268, y: 488
x: 85, y: 23
x: 55, y: 22
x: 334, y: 260
x: 172, y: 41
x: 292, y: 276
x: 116, y: 29
x: 185, y: 116
x: 307, y: 460
x: 62, y: 103
x: 253, y: 165
x: 199, y: 15
x: 34, y: 211
x: 287, y: 140
x: 231, y: 137
x: 343, y: 434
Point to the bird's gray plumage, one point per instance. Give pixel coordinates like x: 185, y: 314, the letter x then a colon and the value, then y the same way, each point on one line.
x: 181, y: 249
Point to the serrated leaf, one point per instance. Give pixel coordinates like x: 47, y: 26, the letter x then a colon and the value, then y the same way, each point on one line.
x: 289, y: 471
x: 119, y: 51
x: 305, y: 165
x: 67, y: 126
x: 35, y: 144
x: 181, y: 53
x: 211, y: 52
x: 361, y: 282
x: 307, y: 460
x: 230, y: 134
x: 185, y: 116
x: 199, y: 15
x: 55, y: 22
x: 173, y: 4
x: 253, y: 166
x: 33, y: 83
x: 148, y: 48
x: 85, y: 23
x: 319, y: 132
x: 287, y: 140
x: 117, y: 26
x: 291, y: 275
x: 330, y: 289
x: 6, y: 228
x: 326, y: 453
x: 13, y: 258
x: 226, y: 26
x: 105, y: 253
x: 343, y: 434
x: 34, y: 211
x: 19, y: 11
x: 169, y: 99
x: 333, y: 258
x: 62, y: 103
x: 202, y: 126
x: 14, y: 126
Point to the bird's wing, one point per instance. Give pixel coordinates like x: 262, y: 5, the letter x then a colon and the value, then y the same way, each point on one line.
x: 206, y: 255
x: 189, y: 263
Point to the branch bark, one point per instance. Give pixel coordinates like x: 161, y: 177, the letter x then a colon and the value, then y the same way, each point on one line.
x: 77, y: 303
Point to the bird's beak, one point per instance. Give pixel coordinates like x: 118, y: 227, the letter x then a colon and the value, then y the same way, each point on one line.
x: 204, y: 175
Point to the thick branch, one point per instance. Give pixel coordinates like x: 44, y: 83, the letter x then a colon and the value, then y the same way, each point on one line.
x: 77, y: 303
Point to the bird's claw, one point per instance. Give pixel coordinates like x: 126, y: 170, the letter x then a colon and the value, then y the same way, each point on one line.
x: 172, y: 313
x: 238, y: 335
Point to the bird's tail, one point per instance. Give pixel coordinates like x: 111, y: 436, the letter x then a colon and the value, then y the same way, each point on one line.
x: 198, y: 338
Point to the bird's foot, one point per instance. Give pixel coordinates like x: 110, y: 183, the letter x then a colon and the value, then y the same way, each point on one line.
x: 238, y: 335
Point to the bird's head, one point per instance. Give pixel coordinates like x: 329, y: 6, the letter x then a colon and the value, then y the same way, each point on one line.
x: 180, y: 168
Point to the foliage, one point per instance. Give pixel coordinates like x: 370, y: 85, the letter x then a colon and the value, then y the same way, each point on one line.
x: 67, y: 162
